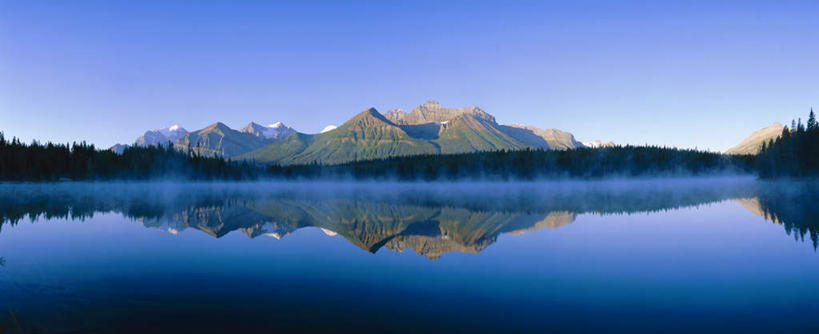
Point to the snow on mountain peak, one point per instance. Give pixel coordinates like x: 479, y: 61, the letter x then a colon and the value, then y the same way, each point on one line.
x: 172, y: 132
x: 328, y: 128
x: 597, y: 143
x: 161, y: 136
x: 275, y: 131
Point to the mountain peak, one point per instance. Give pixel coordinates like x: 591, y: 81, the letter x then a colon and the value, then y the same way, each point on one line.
x: 252, y: 127
x: 597, y: 143
x: 173, y: 131
x: 217, y: 125
x: 432, y: 112
x: 753, y: 144
x: 395, y: 115
x: 369, y: 118
x: 371, y: 112
x: 276, y: 130
x: 161, y: 136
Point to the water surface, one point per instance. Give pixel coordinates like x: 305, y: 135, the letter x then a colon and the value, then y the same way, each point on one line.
x: 710, y: 255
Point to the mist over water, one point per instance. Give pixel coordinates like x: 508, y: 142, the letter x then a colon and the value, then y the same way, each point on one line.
x: 409, y: 257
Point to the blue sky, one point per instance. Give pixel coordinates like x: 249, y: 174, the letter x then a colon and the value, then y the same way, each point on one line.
x: 687, y: 74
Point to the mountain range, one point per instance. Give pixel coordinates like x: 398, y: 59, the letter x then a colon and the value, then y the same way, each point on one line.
x: 427, y: 129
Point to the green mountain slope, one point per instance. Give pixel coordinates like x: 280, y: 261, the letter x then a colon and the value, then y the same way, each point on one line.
x: 278, y: 152
x: 428, y: 129
x: 467, y: 133
x: 366, y: 136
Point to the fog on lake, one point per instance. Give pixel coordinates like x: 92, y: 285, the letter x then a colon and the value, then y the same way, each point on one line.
x: 80, y: 256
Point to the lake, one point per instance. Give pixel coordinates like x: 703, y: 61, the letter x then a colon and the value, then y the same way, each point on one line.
x: 676, y: 255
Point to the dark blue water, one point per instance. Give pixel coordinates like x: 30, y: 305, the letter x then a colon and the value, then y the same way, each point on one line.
x: 711, y: 255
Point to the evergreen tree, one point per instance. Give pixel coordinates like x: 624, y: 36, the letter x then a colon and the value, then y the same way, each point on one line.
x: 793, y: 154
x: 81, y: 161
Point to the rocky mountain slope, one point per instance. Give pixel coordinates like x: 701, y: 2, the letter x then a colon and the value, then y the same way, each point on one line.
x: 432, y: 111
x: 161, y: 136
x: 220, y: 140
x: 275, y: 131
x: 550, y: 139
x: 753, y: 143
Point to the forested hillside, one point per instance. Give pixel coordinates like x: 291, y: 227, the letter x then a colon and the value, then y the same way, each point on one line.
x: 793, y: 154
x: 80, y: 161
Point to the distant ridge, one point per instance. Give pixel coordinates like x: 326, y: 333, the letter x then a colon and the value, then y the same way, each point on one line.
x: 553, y: 139
x: 214, y: 140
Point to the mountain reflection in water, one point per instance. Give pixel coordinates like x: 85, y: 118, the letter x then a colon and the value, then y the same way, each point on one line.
x: 430, y: 219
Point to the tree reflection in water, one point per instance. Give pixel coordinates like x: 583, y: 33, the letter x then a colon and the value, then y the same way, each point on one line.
x: 430, y: 219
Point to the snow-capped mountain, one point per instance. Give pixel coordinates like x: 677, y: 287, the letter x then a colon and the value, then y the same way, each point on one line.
x: 328, y: 128
x: 161, y: 136
x: 597, y: 144
x: 173, y: 132
x: 276, y: 131
x: 216, y: 139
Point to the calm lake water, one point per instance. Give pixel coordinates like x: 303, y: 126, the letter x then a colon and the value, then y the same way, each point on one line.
x: 706, y: 255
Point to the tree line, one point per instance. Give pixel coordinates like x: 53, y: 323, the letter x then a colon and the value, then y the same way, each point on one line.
x: 795, y: 153
x: 529, y: 164
x: 81, y: 161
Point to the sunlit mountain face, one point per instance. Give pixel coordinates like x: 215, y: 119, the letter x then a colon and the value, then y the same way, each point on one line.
x: 430, y: 220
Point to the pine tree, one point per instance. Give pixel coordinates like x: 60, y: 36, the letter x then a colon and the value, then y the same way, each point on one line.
x: 812, y: 121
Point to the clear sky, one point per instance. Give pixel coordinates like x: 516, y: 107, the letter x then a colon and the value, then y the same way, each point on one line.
x: 689, y: 74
